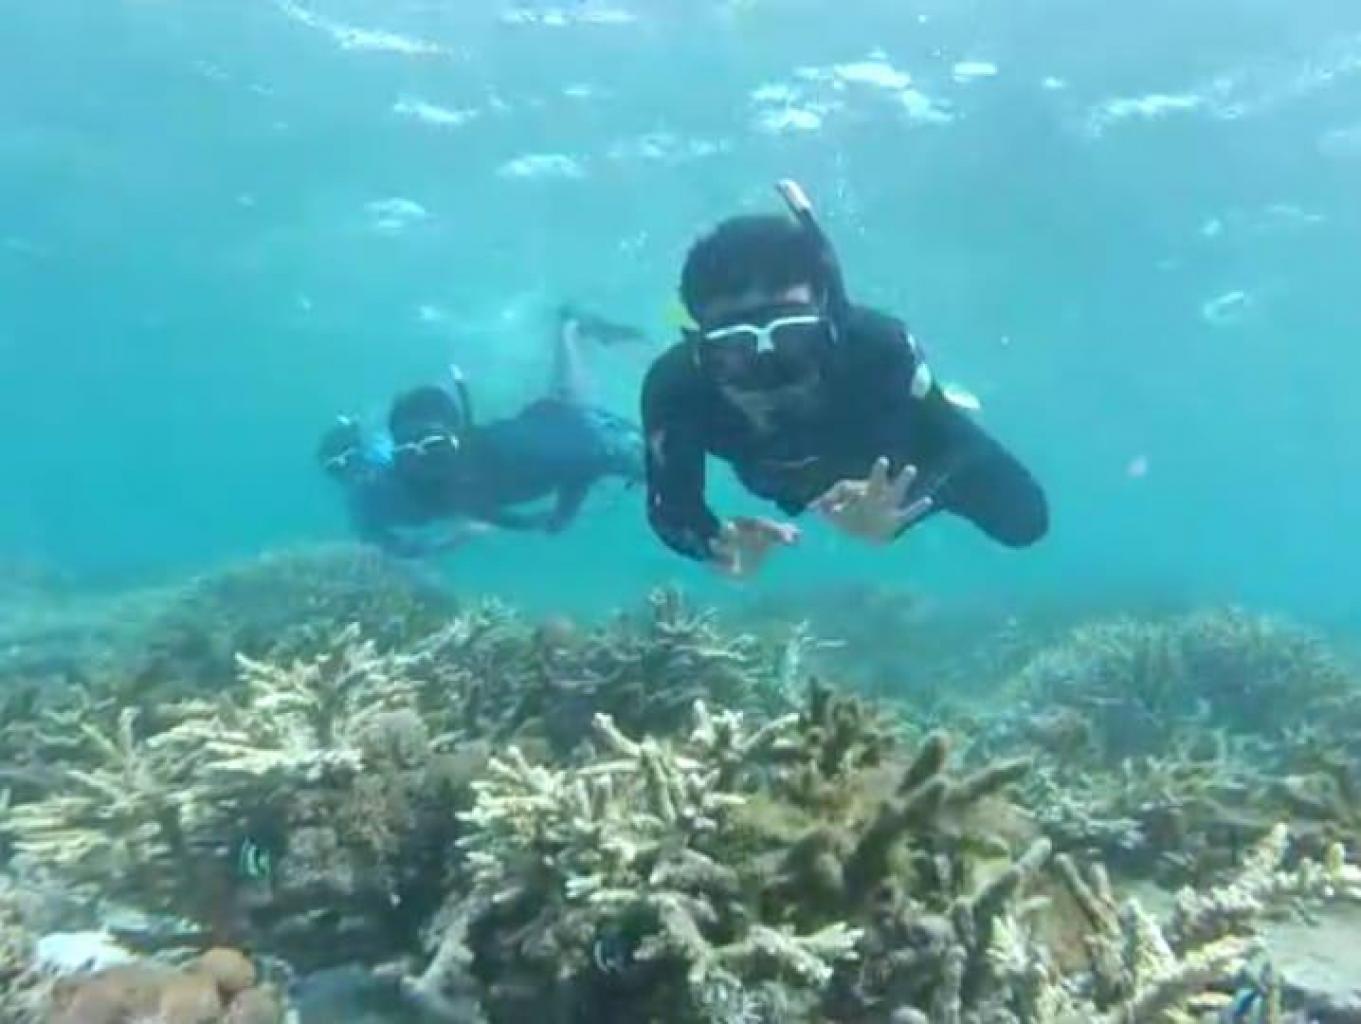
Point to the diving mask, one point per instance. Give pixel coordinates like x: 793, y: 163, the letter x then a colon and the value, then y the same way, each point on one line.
x: 768, y: 347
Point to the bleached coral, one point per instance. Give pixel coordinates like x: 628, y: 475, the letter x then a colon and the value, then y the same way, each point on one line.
x: 635, y: 835
x: 296, y: 724
x: 1262, y: 885
x: 19, y: 978
x: 1143, y: 972
x: 115, y: 817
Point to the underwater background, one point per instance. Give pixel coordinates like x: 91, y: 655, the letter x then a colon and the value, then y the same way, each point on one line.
x: 254, y: 772
x: 1129, y: 229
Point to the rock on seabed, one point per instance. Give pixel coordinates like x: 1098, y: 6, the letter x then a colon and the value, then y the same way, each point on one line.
x: 1320, y: 961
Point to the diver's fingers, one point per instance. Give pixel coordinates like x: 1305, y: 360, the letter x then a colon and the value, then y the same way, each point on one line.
x: 878, y: 479
x: 835, y: 497
x: 914, y: 512
x: 767, y: 530
x: 900, y: 484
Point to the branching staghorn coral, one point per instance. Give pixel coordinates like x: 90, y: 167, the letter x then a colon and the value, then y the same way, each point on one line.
x: 329, y: 767
x: 41, y: 732
x: 294, y: 726
x: 662, y: 849
x: 647, y: 671
x: 1264, y: 884
x: 633, y: 840
x: 1180, y: 816
x: 20, y: 985
x: 838, y: 737
x: 1142, y: 972
x: 1319, y: 788
x: 116, y: 819
x: 941, y: 967
x: 889, y: 827
x: 491, y: 675
x: 323, y: 767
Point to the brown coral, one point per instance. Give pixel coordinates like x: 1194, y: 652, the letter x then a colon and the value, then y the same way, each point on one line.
x: 217, y: 988
x: 229, y: 969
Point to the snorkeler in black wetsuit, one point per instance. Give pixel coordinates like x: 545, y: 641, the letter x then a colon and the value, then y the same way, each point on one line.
x: 442, y: 465
x: 814, y: 402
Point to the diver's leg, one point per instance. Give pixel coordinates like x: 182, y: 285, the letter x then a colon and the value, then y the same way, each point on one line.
x: 569, y: 382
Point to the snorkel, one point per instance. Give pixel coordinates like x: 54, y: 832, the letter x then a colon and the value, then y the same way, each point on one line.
x: 798, y: 203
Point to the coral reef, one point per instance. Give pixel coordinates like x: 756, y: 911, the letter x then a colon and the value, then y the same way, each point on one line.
x: 1134, y: 681
x: 341, y: 772
x: 654, y: 819
x: 1140, y: 970
x: 1170, y: 746
x: 616, y: 866
x: 323, y: 768
x: 113, y: 818
x: 674, y: 878
x: 281, y: 606
x: 498, y: 678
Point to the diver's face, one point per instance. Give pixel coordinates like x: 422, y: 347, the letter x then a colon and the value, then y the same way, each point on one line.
x: 767, y: 343
x: 431, y: 458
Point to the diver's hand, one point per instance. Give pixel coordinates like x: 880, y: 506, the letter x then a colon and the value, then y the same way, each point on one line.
x: 872, y: 509
x: 743, y: 544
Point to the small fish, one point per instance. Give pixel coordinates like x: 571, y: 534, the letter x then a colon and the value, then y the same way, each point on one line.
x: 254, y: 863
x: 1245, y: 1008
x: 612, y: 951
x: 1256, y: 1000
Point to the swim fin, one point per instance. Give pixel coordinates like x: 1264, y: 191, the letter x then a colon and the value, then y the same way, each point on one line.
x: 599, y: 329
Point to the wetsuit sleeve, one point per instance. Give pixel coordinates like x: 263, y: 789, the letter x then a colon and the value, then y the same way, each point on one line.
x: 674, y: 462
x: 962, y: 468
x: 972, y: 475
x: 568, y: 504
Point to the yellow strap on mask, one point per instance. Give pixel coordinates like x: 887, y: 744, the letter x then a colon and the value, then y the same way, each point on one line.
x: 678, y: 317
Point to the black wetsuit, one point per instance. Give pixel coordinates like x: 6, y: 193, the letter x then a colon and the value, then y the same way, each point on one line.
x: 553, y: 447
x: 876, y: 399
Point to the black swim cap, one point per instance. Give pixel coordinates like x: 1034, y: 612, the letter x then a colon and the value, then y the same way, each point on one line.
x: 766, y: 253
x: 422, y: 412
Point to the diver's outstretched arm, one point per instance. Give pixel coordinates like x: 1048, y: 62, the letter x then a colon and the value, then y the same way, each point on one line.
x: 977, y: 478
x: 569, y: 502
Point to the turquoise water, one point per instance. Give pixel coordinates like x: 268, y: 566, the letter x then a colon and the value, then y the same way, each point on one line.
x: 1130, y: 229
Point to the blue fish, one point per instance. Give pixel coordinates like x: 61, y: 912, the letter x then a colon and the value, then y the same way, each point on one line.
x: 254, y: 863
